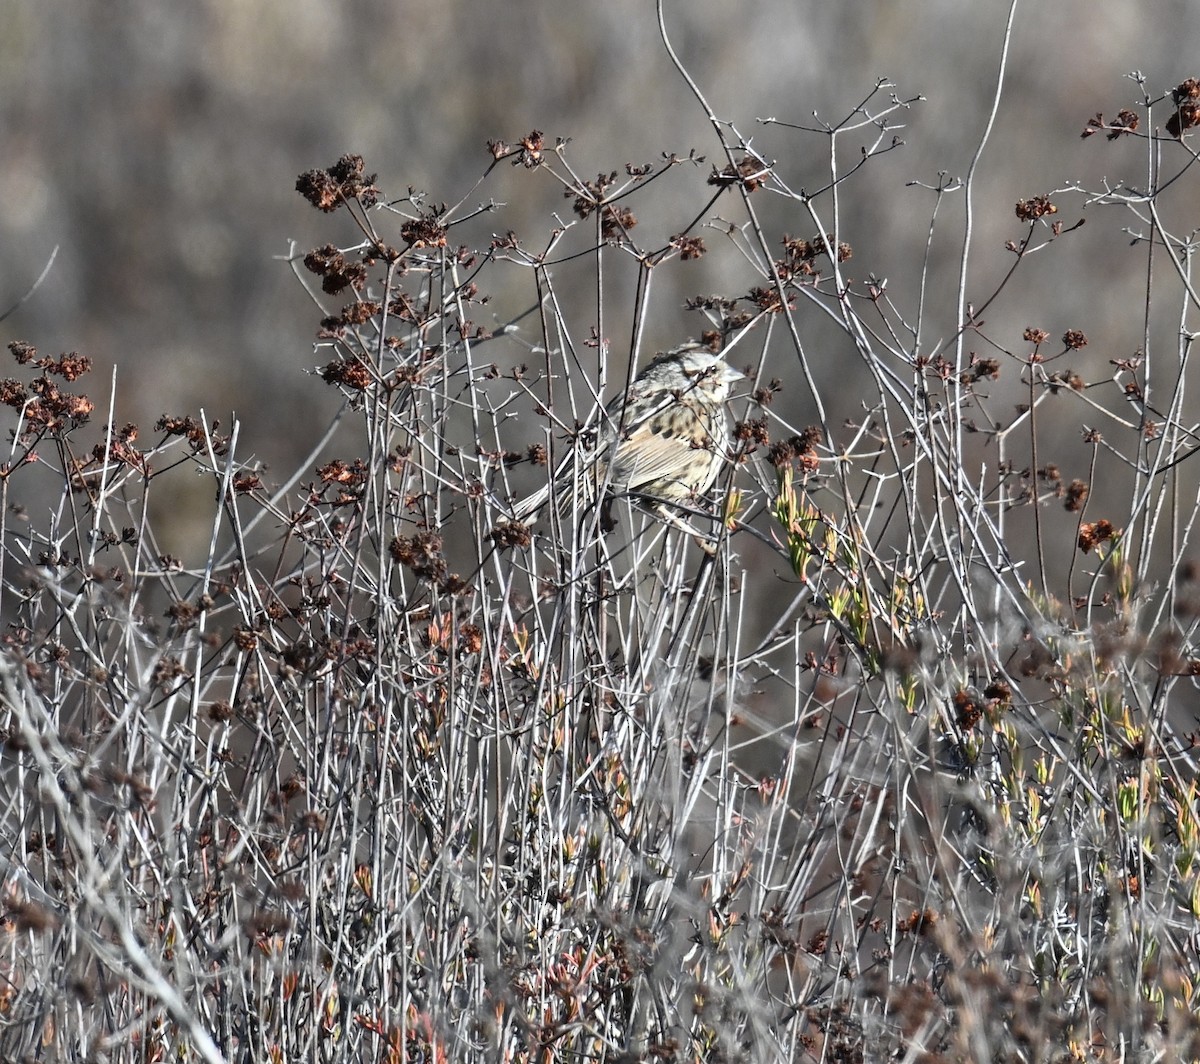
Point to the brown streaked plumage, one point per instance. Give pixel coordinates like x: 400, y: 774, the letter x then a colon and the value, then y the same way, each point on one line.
x: 663, y: 441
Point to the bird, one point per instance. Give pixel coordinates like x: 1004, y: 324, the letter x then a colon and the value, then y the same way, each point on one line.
x: 662, y: 442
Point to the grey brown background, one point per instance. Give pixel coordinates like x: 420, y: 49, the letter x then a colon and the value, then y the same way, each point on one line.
x: 158, y: 144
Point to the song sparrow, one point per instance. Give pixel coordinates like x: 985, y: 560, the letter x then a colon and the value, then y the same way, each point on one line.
x: 663, y: 441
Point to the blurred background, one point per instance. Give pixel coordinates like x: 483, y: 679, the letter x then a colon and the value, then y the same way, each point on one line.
x: 158, y: 146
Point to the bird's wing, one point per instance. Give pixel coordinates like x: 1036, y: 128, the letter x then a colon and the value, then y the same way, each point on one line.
x: 661, y: 446
x: 643, y: 457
